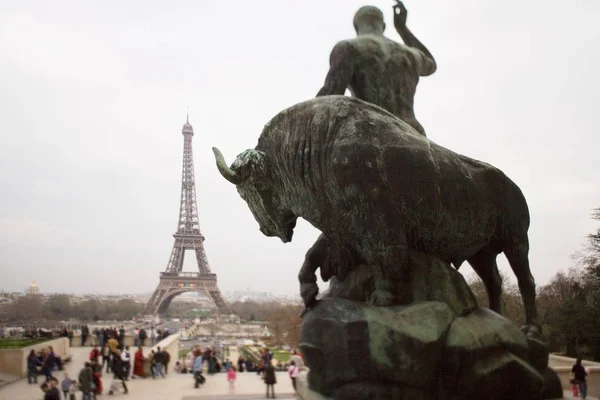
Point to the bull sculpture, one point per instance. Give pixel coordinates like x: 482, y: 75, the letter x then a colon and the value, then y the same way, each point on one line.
x: 369, y: 181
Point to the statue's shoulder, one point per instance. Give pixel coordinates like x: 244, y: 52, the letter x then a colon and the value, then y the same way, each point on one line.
x: 345, y: 49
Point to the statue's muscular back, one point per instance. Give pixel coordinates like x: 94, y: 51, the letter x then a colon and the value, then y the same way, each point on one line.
x: 377, y: 69
x: 386, y: 73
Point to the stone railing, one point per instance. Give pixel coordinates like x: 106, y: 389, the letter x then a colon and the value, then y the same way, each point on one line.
x: 14, y: 361
x: 171, y: 345
x: 93, y: 341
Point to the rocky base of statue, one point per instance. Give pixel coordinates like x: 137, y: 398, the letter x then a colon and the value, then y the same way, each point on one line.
x: 441, y: 347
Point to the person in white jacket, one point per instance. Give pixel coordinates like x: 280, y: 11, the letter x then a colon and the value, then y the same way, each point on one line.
x: 126, y: 358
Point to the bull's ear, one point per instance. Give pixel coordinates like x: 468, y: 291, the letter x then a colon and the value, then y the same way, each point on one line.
x: 252, y: 164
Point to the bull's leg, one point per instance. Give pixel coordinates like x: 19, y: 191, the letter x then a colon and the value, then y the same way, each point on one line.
x: 484, y: 265
x: 518, y: 257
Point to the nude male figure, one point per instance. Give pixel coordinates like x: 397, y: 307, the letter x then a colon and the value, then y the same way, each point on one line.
x: 377, y: 69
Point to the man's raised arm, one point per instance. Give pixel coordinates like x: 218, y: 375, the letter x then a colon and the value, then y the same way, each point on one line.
x: 400, y: 13
x: 340, y: 72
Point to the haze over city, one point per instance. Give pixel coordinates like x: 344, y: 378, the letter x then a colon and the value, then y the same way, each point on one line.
x: 93, y: 97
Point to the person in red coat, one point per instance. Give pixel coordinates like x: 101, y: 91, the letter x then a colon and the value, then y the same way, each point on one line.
x: 138, y: 364
x: 95, y: 354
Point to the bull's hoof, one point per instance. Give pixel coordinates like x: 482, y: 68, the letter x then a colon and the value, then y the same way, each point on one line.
x: 381, y: 298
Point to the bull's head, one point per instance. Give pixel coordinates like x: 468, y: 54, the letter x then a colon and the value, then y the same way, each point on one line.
x: 251, y: 174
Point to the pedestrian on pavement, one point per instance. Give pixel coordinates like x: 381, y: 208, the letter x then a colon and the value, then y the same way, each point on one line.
x: 65, y: 385
x: 95, y: 354
x: 119, y: 374
x: 270, y: 379
x: 579, y: 373
x: 138, y: 364
x: 106, y: 357
x: 85, y: 332
x: 231, y: 377
x: 33, y: 362
x: 152, y: 336
x: 86, y: 381
x: 293, y: 370
x: 157, y: 365
x: 51, y: 390
x: 198, y: 378
x: 126, y: 359
x: 142, y: 336
x: 121, y: 338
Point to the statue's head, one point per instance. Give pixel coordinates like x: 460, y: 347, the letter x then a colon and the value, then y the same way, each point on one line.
x: 251, y: 174
x: 369, y: 19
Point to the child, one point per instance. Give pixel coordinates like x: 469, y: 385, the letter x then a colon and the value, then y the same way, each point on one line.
x: 231, y: 376
x: 293, y: 370
x: 65, y: 385
x: 73, y: 391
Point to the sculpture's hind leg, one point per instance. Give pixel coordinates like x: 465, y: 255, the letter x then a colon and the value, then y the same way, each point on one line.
x: 484, y: 264
x: 517, y: 254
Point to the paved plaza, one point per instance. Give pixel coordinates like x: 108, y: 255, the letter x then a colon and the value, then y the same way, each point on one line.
x: 249, y: 386
x: 173, y: 387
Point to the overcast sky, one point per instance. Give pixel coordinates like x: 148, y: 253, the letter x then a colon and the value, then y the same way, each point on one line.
x: 93, y: 96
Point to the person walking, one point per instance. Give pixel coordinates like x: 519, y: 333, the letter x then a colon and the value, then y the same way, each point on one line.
x: 126, y: 359
x: 32, y: 363
x: 121, y: 338
x: 152, y: 336
x: 95, y: 354
x: 48, y: 365
x: 101, y: 337
x: 270, y: 379
x: 579, y: 373
x: 166, y: 360
x: 138, y: 364
x: 159, y: 360
x: 65, y: 385
x: 198, y: 378
x: 106, y: 357
x: 231, y: 377
x: 119, y: 374
x: 85, y: 332
x: 86, y: 381
x: 293, y: 371
x: 51, y: 391
x: 142, y: 336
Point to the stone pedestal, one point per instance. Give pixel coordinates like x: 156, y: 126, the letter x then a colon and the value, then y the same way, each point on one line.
x: 441, y: 347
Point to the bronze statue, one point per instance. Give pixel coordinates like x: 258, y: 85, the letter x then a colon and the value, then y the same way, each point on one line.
x: 377, y: 69
x: 372, y: 184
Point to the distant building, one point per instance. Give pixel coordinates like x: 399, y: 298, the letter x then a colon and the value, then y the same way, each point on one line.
x: 33, y: 290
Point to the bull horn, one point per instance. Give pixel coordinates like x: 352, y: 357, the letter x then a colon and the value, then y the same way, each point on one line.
x: 224, y: 169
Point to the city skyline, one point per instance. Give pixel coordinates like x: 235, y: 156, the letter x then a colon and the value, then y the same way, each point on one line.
x: 94, y: 96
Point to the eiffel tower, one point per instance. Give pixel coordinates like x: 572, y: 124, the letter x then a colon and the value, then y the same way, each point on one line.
x: 173, y: 281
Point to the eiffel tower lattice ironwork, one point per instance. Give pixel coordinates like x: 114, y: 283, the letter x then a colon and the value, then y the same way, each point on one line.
x: 174, y: 281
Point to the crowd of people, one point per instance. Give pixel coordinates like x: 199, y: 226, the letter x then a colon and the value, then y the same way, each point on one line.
x: 109, y: 354
x: 196, y: 361
x: 42, y: 362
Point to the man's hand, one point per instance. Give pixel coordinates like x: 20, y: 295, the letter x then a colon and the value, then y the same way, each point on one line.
x: 309, y: 292
x: 400, y: 14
